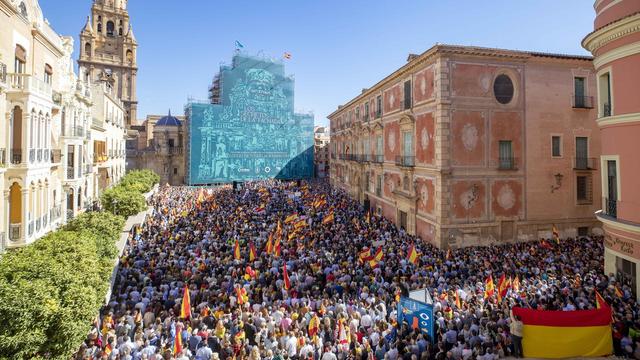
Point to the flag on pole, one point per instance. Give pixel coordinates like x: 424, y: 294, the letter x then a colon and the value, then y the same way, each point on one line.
x: 285, y: 276
x: 458, y: 302
x: 364, y: 255
x: 600, y: 302
x: 556, y: 234
x: 516, y: 284
x: 300, y: 224
x: 502, y: 287
x: 413, y: 255
x: 277, y: 248
x: 185, y: 307
x: 236, y: 250
x: 489, y: 287
x: 368, y: 218
x: 618, y: 292
x: 329, y: 218
x: 252, y: 252
x: 239, y: 45
x: 269, y: 249
x: 377, y: 257
x: 177, y: 344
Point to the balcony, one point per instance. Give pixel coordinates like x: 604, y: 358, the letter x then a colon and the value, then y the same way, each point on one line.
x: 74, y: 131
x: 378, y: 159
x: 29, y: 83
x: 32, y: 155
x: 582, y: 102
x: 175, y: 150
x: 3, y: 74
x: 407, y: 161
x: 55, y: 212
x: 30, y: 228
x: 39, y: 155
x: 606, y: 109
x: 610, y: 207
x: 71, y: 173
x: 16, y: 156
x: 583, y: 163
x: 507, y: 163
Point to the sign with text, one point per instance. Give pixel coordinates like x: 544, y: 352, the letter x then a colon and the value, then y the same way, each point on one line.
x: 417, y: 314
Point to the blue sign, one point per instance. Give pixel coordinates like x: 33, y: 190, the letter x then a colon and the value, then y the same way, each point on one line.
x: 417, y: 314
x: 250, y: 130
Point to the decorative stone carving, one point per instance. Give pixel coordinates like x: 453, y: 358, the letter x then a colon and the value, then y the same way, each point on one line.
x: 506, y: 197
x: 391, y: 140
x: 469, y: 137
x: 423, y: 86
x: 424, y: 138
x: 469, y: 198
x: 392, y: 100
x: 485, y: 82
x: 424, y: 195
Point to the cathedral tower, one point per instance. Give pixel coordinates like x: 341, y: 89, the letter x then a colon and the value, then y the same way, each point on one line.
x: 108, y: 52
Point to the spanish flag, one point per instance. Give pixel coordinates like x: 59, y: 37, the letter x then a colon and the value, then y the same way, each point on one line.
x: 600, y: 303
x: 564, y: 334
x: 252, y: 252
x: 489, y: 287
x: 177, y: 344
x: 556, y: 234
x: 300, y: 224
x: 185, y: 307
x: 364, y: 255
x: 277, y: 248
x: 618, y: 292
x: 285, y: 276
x: 377, y: 257
x: 516, y: 284
x: 314, y: 326
x: 269, y: 249
x: 291, y: 218
x: 413, y: 255
x: 329, y: 218
x: 236, y: 250
x: 502, y: 287
x: 458, y: 302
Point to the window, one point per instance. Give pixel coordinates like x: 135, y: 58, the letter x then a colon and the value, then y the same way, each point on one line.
x: 379, y: 145
x: 583, y: 189
x: 20, y: 60
x: 582, y: 153
x: 48, y: 73
x: 556, y: 146
x: 175, y: 171
x: 120, y: 31
x: 171, y: 143
x: 506, y: 160
x: 503, y: 89
x: 100, y: 27
x: 358, y: 113
x: 379, y: 106
x: 403, y: 220
x: 110, y: 28
x: 407, y: 142
x: 579, y: 98
x: 605, y: 95
x: 407, y: 94
x: 378, y: 185
x: 366, y: 111
x: 87, y: 49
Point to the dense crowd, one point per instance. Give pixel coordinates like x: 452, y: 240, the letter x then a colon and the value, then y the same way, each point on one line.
x: 336, y: 306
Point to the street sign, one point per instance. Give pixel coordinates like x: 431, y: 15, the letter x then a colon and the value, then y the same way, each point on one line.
x: 417, y: 314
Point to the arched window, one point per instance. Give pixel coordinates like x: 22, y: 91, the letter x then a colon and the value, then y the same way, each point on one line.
x: 120, y: 31
x: 87, y: 49
x: 110, y: 28
x: 99, y: 27
x: 129, y: 56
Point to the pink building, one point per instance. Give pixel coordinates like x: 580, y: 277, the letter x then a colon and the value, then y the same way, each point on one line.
x: 615, y: 45
x: 466, y: 146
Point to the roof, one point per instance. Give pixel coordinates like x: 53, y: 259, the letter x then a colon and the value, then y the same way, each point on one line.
x: 169, y: 121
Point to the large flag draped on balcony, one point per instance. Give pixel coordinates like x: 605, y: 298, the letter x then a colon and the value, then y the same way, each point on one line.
x: 563, y: 334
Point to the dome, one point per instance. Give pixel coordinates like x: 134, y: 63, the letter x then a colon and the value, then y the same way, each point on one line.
x: 168, y: 121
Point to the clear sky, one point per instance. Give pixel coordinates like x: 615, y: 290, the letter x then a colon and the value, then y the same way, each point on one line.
x: 338, y: 46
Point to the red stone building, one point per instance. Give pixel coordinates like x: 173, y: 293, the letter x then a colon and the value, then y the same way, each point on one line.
x: 615, y: 44
x: 466, y: 145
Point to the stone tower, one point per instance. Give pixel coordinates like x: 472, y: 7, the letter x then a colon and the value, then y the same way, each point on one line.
x: 108, y: 52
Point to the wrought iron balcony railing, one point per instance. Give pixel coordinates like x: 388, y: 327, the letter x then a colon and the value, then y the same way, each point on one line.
x: 583, y: 163
x: 582, y: 102
x: 32, y: 155
x: 507, y: 163
x: 403, y: 160
x: 15, y: 231
x: 610, y: 207
x: 71, y: 172
x: 16, y: 156
x: 606, y: 109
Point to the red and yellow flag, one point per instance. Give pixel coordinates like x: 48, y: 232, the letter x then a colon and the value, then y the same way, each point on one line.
x: 236, y: 250
x: 502, y: 287
x: 458, y: 302
x: 556, y: 234
x: 285, y: 276
x: 377, y: 257
x: 277, y: 248
x: 314, y: 326
x: 177, y: 344
x: 600, y: 302
x: 269, y: 248
x: 565, y: 334
x: 185, y: 307
x: 489, y: 287
x: 516, y: 284
x: 618, y: 292
x: 413, y: 255
x: 291, y: 218
x: 252, y: 252
x: 329, y: 218
x: 364, y: 255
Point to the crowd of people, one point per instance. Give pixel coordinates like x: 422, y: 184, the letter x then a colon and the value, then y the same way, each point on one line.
x: 264, y: 286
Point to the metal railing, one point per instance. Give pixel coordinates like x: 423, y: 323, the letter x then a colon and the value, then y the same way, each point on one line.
x: 177, y: 150
x: 71, y: 172
x: 70, y: 215
x: 582, y: 102
x: 74, y: 131
x: 55, y: 212
x: 402, y: 160
x: 507, y: 163
x: 583, y: 163
x: 15, y: 232
x: 32, y: 155
x: 606, y: 109
x: 3, y: 73
x: 610, y: 207
x: 30, y: 228
x: 39, y: 155
x: 16, y: 156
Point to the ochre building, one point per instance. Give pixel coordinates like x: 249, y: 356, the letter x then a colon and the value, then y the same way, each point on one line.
x: 615, y: 45
x: 467, y: 146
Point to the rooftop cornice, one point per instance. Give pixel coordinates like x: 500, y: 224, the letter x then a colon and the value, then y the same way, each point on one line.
x: 612, y: 31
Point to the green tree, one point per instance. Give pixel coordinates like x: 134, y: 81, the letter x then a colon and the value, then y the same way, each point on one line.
x: 121, y: 201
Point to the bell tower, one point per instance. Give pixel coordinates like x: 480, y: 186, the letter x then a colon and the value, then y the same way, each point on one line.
x: 108, y: 50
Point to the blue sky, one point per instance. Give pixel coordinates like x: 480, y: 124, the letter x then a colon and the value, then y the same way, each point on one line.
x: 338, y: 46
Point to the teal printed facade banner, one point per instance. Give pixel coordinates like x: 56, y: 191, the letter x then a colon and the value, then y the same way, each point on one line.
x: 250, y: 132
